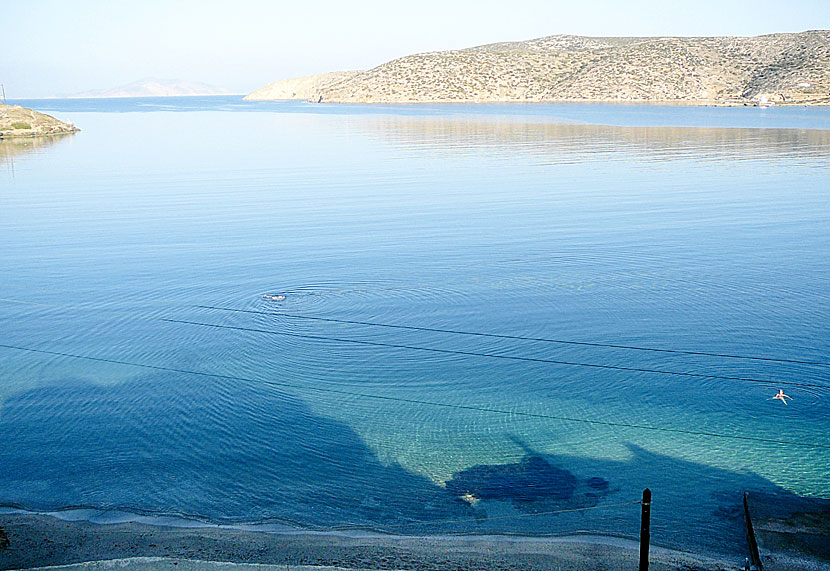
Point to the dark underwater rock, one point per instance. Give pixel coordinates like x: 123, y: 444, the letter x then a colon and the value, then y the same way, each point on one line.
x: 4, y: 539
x: 532, y: 478
x: 599, y: 484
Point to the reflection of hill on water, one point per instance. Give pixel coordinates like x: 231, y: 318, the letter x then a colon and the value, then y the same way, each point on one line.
x: 13, y: 147
x: 569, y: 142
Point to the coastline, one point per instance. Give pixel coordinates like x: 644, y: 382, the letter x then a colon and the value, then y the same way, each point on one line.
x: 18, y: 122
x: 41, y: 540
x: 318, y: 99
x: 607, y: 101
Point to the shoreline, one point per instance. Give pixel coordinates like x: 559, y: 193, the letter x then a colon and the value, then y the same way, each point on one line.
x: 656, y: 102
x: 46, y: 540
x: 530, y: 102
x: 41, y: 540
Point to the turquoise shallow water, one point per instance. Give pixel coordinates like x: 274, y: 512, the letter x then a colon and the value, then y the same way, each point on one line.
x: 128, y: 384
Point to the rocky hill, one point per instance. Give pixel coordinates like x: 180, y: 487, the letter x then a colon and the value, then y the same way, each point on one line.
x: 17, y: 121
x: 777, y: 68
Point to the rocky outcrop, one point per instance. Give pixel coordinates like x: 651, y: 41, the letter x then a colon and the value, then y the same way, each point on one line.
x: 305, y: 88
x: 17, y: 121
x: 777, y: 68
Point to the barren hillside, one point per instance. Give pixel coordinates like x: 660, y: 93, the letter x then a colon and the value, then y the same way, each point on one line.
x: 777, y: 68
x: 17, y: 121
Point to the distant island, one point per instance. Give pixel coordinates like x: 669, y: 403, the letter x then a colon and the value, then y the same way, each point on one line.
x: 17, y: 121
x: 155, y: 88
x: 762, y: 70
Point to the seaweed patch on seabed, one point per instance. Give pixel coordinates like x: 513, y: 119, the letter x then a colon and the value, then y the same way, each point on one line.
x: 795, y: 524
x: 532, y: 484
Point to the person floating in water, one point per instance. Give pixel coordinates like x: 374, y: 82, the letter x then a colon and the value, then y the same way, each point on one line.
x: 781, y: 396
x: 274, y: 297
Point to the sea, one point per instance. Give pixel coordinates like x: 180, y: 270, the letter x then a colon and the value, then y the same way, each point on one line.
x: 417, y: 319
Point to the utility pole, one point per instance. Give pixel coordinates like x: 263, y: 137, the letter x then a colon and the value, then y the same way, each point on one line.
x: 3, y: 88
x: 645, y: 529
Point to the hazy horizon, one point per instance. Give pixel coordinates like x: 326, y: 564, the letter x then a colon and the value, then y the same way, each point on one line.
x: 56, y: 48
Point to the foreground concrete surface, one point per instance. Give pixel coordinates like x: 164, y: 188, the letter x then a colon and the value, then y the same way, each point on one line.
x: 149, y: 563
x: 44, y: 542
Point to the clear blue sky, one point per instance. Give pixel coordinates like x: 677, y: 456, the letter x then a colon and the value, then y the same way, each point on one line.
x: 64, y: 46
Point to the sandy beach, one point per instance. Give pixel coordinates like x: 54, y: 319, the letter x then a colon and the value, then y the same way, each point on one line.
x: 43, y: 541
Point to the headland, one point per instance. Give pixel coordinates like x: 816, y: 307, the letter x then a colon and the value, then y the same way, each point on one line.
x: 775, y: 69
x: 17, y: 121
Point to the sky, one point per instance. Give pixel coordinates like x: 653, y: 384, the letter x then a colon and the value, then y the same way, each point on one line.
x: 59, y: 47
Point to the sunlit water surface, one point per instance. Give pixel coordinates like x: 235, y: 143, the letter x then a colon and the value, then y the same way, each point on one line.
x: 703, y: 230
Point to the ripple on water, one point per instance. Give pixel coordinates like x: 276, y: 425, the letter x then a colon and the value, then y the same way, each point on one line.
x: 668, y: 237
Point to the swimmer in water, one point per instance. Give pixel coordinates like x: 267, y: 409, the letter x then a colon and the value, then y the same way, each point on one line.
x: 781, y: 396
x: 274, y: 297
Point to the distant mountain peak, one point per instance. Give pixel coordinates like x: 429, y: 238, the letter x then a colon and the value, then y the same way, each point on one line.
x: 154, y: 87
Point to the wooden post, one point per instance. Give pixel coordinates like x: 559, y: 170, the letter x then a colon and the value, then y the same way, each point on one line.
x: 754, y: 556
x: 645, y: 529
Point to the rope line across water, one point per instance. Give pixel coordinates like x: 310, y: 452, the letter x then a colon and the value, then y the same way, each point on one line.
x: 514, y: 337
x: 174, y: 305
x: 427, y: 403
x: 435, y: 350
x: 496, y: 355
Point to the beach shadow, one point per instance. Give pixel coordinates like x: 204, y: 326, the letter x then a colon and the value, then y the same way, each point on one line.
x: 232, y: 451
x: 220, y: 450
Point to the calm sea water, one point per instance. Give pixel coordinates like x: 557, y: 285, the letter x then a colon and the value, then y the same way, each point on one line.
x: 142, y: 370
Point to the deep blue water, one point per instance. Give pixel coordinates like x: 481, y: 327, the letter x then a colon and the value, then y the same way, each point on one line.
x: 695, y: 229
